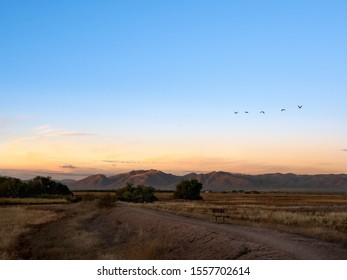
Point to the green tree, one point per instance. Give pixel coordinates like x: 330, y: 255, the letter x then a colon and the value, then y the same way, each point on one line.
x: 38, y: 186
x: 141, y: 193
x: 46, y: 186
x: 188, y: 189
x: 11, y: 187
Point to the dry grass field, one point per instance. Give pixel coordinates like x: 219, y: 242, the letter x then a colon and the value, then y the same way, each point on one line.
x: 16, y: 221
x: 81, y: 230
x: 19, y: 215
x: 91, y: 229
x: 321, y: 216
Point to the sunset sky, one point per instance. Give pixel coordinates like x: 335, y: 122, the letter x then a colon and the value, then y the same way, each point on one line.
x: 91, y: 87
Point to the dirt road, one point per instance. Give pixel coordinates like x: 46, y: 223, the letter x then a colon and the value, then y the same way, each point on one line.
x: 196, y: 239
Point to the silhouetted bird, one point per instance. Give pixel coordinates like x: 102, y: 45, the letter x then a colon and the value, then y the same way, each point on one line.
x: 300, y: 106
x: 282, y: 110
x: 246, y: 112
x: 262, y: 112
x: 236, y: 112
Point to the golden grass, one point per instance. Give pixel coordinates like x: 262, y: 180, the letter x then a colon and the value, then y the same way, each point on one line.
x: 320, y: 216
x: 85, y: 231
x: 16, y: 220
x: 90, y: 232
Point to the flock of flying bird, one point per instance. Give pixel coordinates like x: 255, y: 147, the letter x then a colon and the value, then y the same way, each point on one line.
x: 263, y: 112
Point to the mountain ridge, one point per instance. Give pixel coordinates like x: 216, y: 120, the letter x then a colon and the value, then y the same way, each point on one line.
x: 217, y: 181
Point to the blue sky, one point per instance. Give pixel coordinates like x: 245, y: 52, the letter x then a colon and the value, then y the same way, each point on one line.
x: 154, y: 84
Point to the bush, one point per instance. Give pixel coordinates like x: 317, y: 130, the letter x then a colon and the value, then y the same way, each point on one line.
x: 188, y: 189
x: 141, y: 193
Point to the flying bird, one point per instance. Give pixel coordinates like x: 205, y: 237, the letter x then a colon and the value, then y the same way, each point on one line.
x: 246, y: 112
x: 299, y: 106
x: 262, y: 112
x: 235, y: 112
x: 282, y: 110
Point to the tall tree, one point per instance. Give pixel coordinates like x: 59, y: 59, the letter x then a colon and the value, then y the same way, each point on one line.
x: 188, y: 189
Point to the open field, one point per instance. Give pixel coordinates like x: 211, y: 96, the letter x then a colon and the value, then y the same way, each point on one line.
x: 96, y: 228
x: 16, y: 221
x: 81, y: 230
x: 322, y: 216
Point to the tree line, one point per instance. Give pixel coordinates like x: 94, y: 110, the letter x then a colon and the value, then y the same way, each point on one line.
x: 45, y: 186
x: 36, y: 187
x: 186, y: 189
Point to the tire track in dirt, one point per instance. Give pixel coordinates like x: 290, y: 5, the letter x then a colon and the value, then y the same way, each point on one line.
x: 197, y: 239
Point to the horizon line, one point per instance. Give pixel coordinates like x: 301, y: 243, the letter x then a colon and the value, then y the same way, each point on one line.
x: 27, y: 173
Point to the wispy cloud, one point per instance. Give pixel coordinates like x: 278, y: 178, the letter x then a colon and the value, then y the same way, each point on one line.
x: 47, y: 131
x: 127, y: 161
x: 344, y: 150
x: 122, y: 161
x: 67, y: 166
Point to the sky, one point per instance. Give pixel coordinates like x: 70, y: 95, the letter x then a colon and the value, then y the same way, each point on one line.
x: 89, y: 87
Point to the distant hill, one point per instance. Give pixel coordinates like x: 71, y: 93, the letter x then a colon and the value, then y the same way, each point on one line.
x: 217, y: 181
x: 67, y: 181
x: 155, y: 178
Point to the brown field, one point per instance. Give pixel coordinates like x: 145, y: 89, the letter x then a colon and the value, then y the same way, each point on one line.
x: 321, y: 216
x: 94, y: 229
x: 16, y: 221
x: 70, y: 231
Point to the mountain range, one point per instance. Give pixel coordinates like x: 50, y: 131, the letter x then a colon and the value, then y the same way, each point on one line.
x: 216, y: 181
